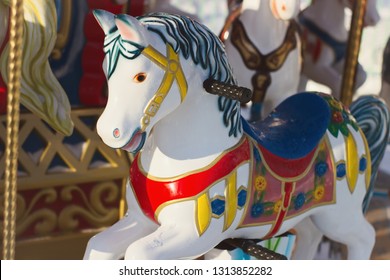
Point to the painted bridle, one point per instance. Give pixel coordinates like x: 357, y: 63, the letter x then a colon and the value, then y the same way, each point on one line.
x: 173, y: 71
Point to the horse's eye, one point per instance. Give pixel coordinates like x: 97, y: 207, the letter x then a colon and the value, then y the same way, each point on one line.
x: 140, y: 77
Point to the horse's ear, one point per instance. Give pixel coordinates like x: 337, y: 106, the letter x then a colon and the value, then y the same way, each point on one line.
x: 131, y: 29
x: 105, y: 19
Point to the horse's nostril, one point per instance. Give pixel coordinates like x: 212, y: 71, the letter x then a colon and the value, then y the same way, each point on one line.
x: 116, y: 133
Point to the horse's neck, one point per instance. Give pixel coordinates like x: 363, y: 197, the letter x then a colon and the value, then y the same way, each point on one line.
x: 187, y: 139
x: 329, y: 15
x: 264, y: 30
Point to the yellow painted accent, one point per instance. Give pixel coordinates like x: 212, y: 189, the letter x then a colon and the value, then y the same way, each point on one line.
x: 368, y: 156
x: 171, y: 66
x: 352, y: 162
x: 155, y: 56
x: 203, y: 212
x: 231, y: 200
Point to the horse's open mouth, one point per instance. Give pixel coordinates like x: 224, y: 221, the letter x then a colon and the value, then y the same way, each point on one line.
x: 136, y: 142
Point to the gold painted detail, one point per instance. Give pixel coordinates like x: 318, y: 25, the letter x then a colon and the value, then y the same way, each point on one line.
x: 352, y: 52
x: 352, y: 161
x: 231, y: 200
x: 222, y: 206
x: 13, y: 104
x: 350, y: 168
x: 203, y: 213
x: 51, y: 211
x: 262, y: 64
x: 173, y: 71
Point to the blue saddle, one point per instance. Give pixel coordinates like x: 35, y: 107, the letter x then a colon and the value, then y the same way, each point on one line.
x: 294, y: 128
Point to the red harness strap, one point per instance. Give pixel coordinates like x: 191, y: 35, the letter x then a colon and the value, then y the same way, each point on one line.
x: 152, y: 193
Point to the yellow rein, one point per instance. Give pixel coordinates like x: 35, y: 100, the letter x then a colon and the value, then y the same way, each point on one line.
x: 173, y: 71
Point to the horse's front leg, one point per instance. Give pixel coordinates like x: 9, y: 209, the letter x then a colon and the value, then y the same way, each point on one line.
x: 113, y: 242
x: 176, y: 238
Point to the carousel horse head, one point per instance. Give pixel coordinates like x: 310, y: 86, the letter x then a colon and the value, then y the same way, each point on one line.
x: 281, y: 9
x: 149, y: 72
x: 285, y: 9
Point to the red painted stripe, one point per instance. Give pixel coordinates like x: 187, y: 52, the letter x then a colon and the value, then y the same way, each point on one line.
x: 288, y: 188
x: 151, y: 193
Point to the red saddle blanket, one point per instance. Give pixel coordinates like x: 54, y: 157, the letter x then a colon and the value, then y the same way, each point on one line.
x: 275, y: 196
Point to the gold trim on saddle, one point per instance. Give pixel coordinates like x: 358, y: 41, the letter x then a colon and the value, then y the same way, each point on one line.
x: 283, y: 207
x: 173, y: 71
x: 292, y: 179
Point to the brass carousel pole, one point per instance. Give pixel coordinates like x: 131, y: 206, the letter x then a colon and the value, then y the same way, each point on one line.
x: 13, y: 97
x: 354, y: 39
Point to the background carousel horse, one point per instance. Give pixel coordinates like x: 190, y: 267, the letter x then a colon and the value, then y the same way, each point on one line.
x: 202, y: 173
x: 211, y: 13
x: 325, y: 38
x: 265, y: 51
x: 167, y: 7
x: 41, y: 93
x: 384, y: 173
x: 385, y: 89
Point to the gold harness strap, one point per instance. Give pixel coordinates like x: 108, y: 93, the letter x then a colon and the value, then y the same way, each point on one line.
x: 262, y: 64
x: 173, y: 71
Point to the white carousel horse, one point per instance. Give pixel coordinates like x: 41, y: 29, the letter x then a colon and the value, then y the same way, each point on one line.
x: 325, y: 38
x: 264, y: 50
x: 202, y: 173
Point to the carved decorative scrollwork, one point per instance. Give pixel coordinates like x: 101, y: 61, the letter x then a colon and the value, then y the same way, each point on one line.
x: 72, y: 208
x: 66, y: 185
x: 93, y: 209
x: 41, y: 221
